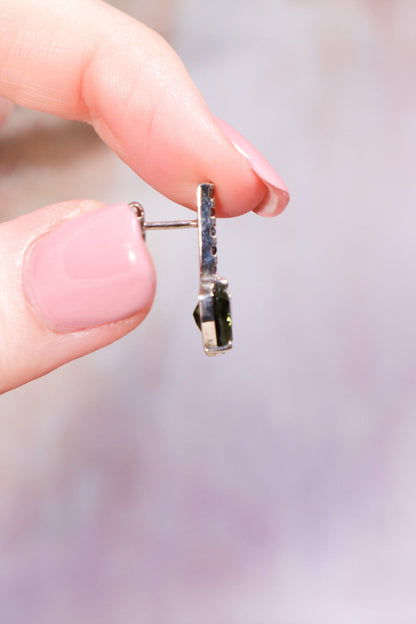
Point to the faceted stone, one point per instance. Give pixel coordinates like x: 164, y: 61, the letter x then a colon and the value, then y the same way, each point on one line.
x: 223, y: 323
x: 222, y: 315
x: 197, y: 316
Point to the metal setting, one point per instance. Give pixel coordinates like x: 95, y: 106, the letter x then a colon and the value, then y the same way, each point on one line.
x: 212, y: 313
x: 213, y: 309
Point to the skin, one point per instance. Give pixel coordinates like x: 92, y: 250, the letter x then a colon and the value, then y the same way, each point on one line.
x: 85, y: 60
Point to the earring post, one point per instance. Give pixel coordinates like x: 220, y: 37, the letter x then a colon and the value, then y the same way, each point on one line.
x: 170, y: 225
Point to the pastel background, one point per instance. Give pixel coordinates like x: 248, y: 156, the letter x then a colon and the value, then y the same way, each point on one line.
x: 276, y: 485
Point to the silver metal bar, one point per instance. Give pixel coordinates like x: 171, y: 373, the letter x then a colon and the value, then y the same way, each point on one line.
x: 170, y: 225
x: 207, y: 230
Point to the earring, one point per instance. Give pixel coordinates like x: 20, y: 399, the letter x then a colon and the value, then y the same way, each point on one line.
x: 213, y: 310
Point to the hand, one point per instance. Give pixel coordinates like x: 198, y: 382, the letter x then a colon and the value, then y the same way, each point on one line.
x: 76, y: 276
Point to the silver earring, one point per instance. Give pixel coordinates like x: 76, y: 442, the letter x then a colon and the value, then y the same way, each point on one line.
x: 213, y: 311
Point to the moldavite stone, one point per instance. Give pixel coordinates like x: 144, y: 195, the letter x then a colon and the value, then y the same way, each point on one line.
x: 197, y: 316
x: 223, y: 323
x: 222, y: 315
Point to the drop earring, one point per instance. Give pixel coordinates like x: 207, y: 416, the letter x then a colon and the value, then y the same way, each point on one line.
x: 213, y: 310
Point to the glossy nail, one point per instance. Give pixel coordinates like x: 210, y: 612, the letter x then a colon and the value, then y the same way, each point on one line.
x: 92, y: 270
x: 277, y: 197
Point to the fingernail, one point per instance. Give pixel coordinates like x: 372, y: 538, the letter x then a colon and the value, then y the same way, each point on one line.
x: 277, y: 197
x: 92, y: 270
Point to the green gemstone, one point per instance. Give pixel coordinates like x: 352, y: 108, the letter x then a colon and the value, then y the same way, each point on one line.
x: 197, y: 316
x: 222, y: 315
x: 223, y: 323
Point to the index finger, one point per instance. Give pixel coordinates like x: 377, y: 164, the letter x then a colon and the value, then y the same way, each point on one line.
x: 88, y: 61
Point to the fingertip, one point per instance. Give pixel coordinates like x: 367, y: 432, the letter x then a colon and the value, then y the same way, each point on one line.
x: 275, y: 192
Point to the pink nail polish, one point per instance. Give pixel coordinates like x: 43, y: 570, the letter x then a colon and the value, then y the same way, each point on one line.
x: 91, y: 270
x: 278, y: 194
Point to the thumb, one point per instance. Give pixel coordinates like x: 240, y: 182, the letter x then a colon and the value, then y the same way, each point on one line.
x: 75, y: 277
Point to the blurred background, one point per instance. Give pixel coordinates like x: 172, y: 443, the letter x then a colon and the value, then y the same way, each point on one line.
x: 148, y: 483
